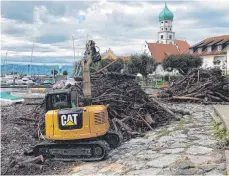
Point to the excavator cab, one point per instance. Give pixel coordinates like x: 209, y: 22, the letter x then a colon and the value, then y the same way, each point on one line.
x: 58, y: 99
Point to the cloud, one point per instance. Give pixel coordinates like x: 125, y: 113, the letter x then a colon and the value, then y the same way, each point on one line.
x: 121, y: 26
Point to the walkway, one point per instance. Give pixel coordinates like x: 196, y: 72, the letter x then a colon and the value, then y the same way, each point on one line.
x: 180, y: 148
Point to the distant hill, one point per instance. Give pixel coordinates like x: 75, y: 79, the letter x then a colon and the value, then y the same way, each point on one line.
x: 34, y: 69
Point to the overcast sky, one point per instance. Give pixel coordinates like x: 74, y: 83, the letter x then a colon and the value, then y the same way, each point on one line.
x: 122, y: 26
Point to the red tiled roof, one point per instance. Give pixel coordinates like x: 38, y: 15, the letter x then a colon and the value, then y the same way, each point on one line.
x: 182, y: 45
x: 160, y: 51
x: 212, y: 40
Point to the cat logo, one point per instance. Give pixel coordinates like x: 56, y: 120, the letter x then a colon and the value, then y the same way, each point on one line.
x: 69, y: 119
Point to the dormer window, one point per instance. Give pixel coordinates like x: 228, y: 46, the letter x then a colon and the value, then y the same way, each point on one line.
x: 209, y: 49
x: 219, y: 47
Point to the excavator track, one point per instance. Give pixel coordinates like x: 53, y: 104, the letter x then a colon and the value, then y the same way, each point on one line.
x: 73, y: 151
x: 113, y: 138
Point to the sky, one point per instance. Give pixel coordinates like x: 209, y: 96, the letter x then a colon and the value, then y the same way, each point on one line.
x: 123, y: 26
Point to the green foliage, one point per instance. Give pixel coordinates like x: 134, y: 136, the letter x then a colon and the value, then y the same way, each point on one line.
x: 164, y: 132
x: 181, y: 125
x: 142, y: 64
x: 183, y: 63
x: 117, y: 66
x: 114, y: 67
x: 219, y: 131
x: 55, y: 72
x: 65, y: 72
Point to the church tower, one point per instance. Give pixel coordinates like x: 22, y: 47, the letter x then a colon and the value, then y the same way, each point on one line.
x: 166, y: 34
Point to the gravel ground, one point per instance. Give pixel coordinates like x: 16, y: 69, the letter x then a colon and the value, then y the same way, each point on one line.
x: 185, y: 147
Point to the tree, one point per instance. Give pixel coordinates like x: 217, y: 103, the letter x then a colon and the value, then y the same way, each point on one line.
x: 65, y: 72
x: 117, y: 66
x: 114, y: 67
x: 55, y: 72
x: 142, y: 64
x: 183, y: 63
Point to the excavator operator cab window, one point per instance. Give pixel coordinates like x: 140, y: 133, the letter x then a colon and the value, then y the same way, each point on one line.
x: 58, y: 101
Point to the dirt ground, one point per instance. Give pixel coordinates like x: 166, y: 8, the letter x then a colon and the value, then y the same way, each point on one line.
x: 162, y: 151
x: 17, y: 137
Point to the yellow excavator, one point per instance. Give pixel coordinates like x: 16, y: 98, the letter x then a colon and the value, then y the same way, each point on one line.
x: 77, y: 133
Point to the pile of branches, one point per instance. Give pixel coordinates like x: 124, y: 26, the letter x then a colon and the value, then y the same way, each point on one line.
x: 205, y: 85
x: 130, y: 110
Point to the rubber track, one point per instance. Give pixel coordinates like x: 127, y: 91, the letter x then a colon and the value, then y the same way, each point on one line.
x: 55, y: 145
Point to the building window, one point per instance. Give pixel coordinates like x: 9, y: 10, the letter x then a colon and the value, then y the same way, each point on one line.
x: 170, y: 29
x: 219, y: 47
x: 170, y: 36
x: 166, y: 21
x: 209, y: 49
x: 162, y: 29
x: 162, y: 22
x: 161, y: 36
x: 166, y: 29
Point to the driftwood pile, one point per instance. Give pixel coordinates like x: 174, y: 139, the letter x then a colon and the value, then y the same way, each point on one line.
x: 130, y: 109
x: 205, y: 85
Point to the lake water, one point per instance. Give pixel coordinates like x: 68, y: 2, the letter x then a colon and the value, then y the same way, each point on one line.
x: 35, y: 69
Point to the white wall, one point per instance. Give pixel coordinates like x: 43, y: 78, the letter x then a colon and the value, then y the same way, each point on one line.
x: 207, y: 61
x: 160, y: 71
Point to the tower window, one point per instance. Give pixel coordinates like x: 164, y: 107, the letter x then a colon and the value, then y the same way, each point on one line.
x: 161, y: 36
x: 170, y: 36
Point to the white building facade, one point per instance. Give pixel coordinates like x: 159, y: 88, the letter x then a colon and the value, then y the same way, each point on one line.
x: 214, y: 51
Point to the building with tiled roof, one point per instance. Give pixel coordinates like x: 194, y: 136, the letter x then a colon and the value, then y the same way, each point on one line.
x: 109, y: 54
x: 214, y: 51
x: 167, y: 44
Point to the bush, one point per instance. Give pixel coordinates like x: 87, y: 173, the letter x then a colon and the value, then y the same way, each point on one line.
x: 183, y: 63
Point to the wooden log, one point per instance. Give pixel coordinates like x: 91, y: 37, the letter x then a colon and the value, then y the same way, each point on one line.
x: 149, y: 119
x: 147, y: 124
x: 222, y: 96
x: 180, y: 111
x: 185, y: 98
x: 165, y: 109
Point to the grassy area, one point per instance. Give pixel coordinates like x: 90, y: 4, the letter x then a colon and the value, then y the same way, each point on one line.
x: 219, y: 131
x: 164, y: 132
